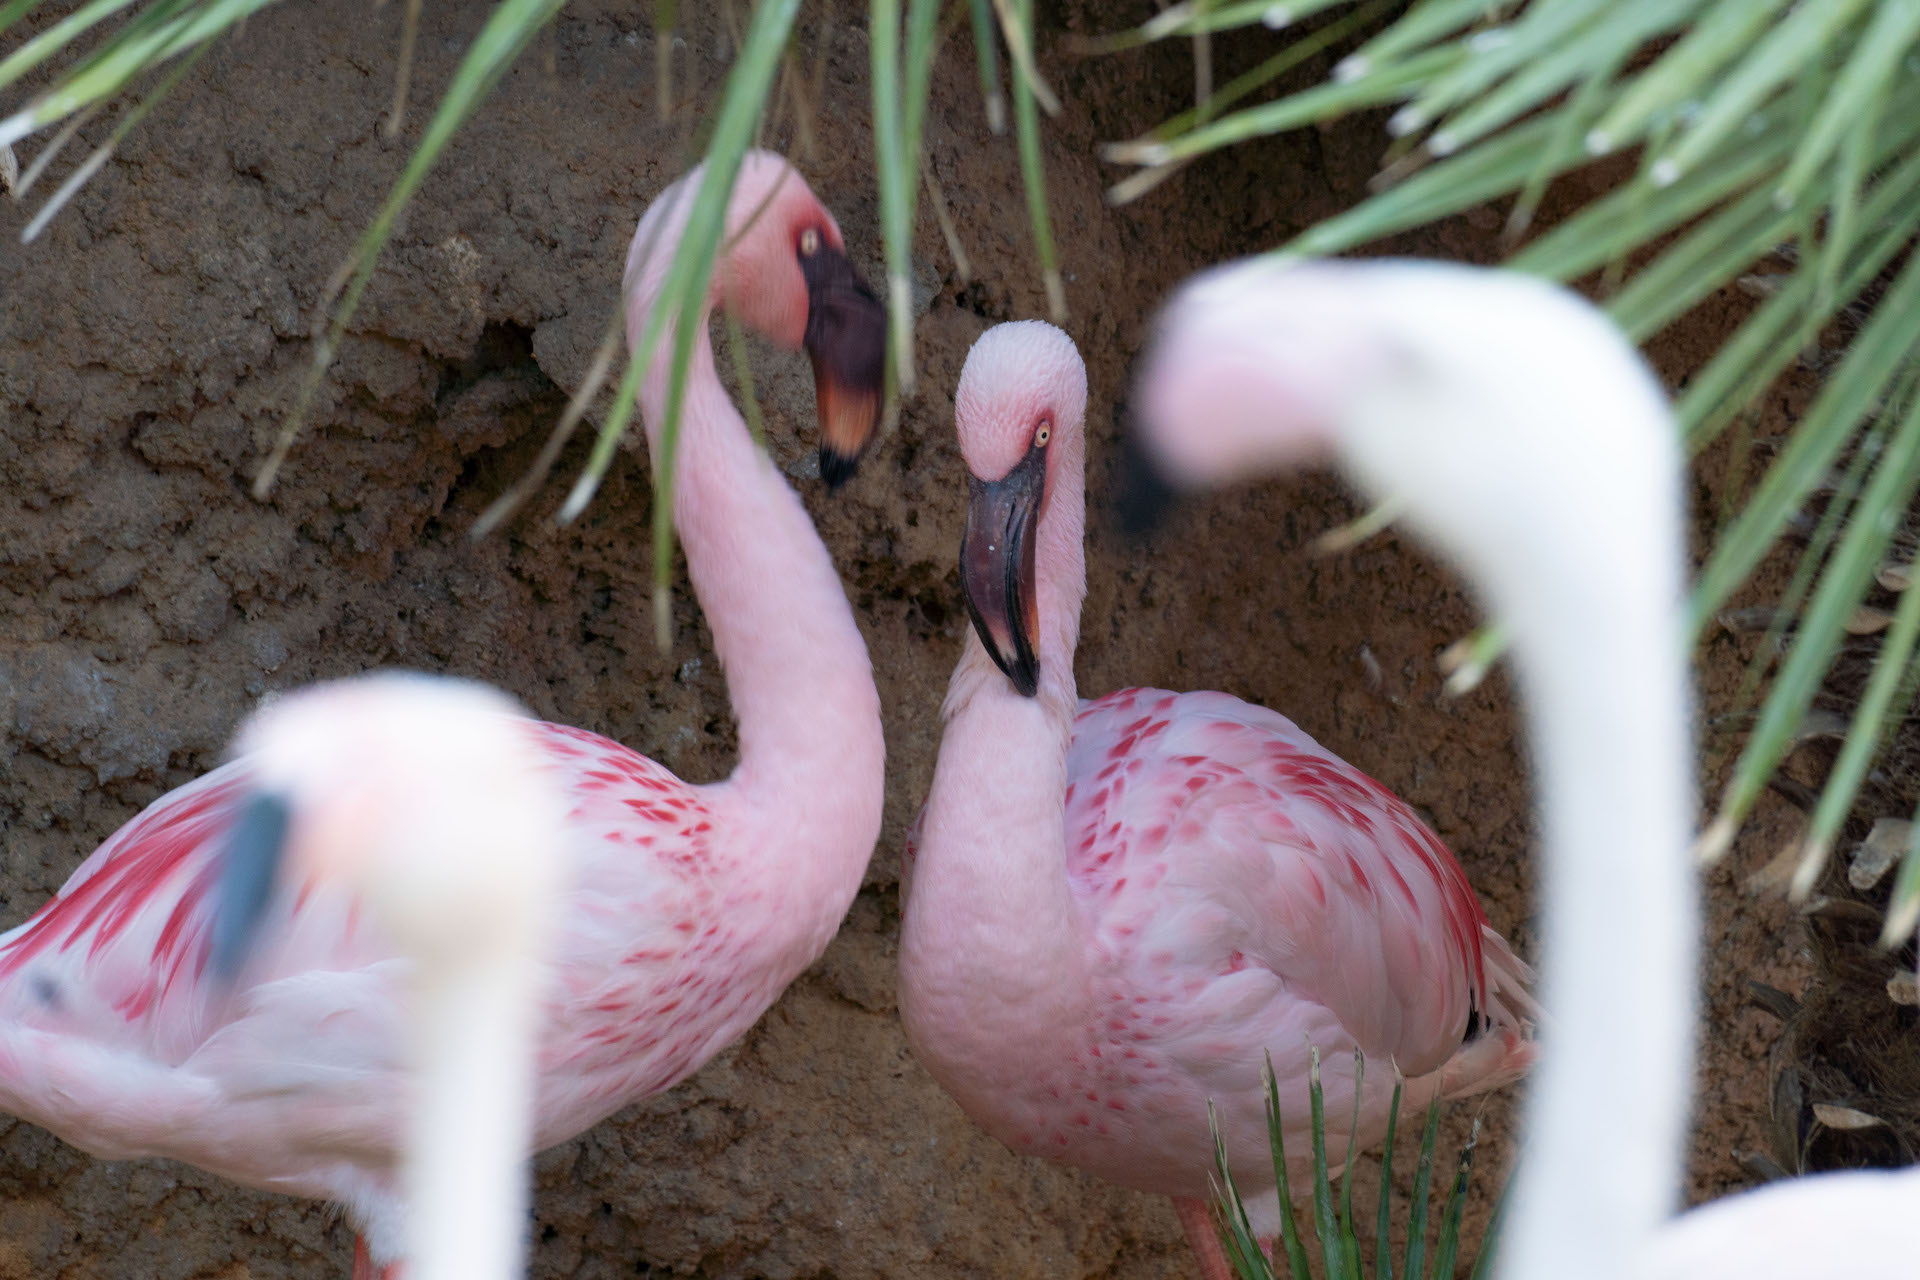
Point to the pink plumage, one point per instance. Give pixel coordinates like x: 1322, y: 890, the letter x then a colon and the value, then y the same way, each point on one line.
x: 689, y: 908
x: 1116, y: 909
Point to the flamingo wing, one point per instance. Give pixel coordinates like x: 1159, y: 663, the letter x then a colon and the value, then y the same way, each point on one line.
x: 115, y: 1033
x: 1260, y: 849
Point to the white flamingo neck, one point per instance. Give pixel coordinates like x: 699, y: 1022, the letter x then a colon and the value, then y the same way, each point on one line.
x: 1608, y: 729
x: 812, y: 757
x: 473, y: 1030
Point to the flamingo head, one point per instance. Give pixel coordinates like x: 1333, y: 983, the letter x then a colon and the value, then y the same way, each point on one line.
x: 1020, y: 412
x: 1489, y: 404
x: 425, y: 797
x: 783, y: 270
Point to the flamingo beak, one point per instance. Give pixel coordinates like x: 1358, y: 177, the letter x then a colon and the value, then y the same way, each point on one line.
x: 847, y: 338
x: 255, y: 849
x: 996, y: 567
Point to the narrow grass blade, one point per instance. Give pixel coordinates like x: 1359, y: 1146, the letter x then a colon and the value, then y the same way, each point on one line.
x: 1903, y: 909
x: 1775, y: 334
x: 1868, y: 531
x: 80, y: 176
x: 1350, y: 1243
x: 1449, y: 1245
x: 1708, y: 256
x: 1026, y: 123
x: 1592, y: 56
x: 897, y: 186
x: 1277, y: 1140
x: 1864, y: 80
x: 1415, y: 1267
x: 1864, y: 738
x: 1630, y: 216
x: 1325, y: 1225
x: 1726, y: 31
x: 1473, y: 177
x: 57, y: 37
x: 1016, y: 25
x: 1495, y: 54
x: 1782, y: 55
x: 1423, y: 23
x: 1266, y: 72
x: 1324, y: 102
x: 1871, y: 363
x: 987, y: 54
x: 1230, y: 1211
x: 1383, y: 1226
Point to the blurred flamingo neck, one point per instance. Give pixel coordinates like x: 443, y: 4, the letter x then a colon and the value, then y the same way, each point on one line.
x: 1608, y: 723
x: 797, y: 670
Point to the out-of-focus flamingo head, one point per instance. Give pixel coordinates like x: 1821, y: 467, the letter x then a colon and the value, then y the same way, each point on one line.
x: 1484, y: 402
x: 1020, y: 411
x: 783, y: 270
x: 426, y: 797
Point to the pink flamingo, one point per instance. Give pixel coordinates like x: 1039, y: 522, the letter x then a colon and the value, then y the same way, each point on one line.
x: 691, y: 907
x: 1117, y: 908
x: 432, y: 805
x: 1520, y: 431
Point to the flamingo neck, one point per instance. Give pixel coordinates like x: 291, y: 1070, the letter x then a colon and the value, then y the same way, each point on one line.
x: 808, y: 786
x: 473, y: 1031
x: 992, y: 938
x: 1609, y: 714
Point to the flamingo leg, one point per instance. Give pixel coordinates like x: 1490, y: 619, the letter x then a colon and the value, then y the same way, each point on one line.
x: 1205, y: 1242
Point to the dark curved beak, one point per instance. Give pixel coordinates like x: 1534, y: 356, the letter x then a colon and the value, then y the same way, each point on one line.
x: 248, y: 873
x: 847, y: 338
x: 996, y: 567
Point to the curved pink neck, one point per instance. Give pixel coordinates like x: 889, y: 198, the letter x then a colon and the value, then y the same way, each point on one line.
x: 812, y: 759
x: 990, y: 908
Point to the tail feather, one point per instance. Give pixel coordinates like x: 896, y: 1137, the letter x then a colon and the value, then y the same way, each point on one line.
x: 1505, y: 1048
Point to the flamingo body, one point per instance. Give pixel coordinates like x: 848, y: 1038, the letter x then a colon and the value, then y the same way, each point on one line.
x: 1117, y: 909
x: 114, y: 1034
x: 688, y: 908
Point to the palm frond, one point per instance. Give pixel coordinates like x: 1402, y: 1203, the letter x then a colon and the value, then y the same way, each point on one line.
x: 1766, y: 130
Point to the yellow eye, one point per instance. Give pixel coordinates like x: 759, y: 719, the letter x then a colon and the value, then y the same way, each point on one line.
x: 810, y: 241
x: 1042, y: 434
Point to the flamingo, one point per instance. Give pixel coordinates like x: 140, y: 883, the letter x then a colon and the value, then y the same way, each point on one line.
x: 1522, y: 434
x: 691, y: 906
x: 1853, y: 1223
x: 431, y: 803
x: 1115, y: 910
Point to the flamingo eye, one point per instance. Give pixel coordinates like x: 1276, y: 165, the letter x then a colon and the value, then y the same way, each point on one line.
x: 1043, y: 433
x: 809, y: 242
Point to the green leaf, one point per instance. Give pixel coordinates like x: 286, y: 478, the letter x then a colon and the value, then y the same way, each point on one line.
x: 1026, y: 123
x: 1868, y: 531
x: 1782, y: 55
x: 1682, y: 71
x: 1415, y: 1268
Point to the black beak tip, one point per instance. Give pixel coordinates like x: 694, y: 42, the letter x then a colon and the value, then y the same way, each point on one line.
x: 1144, y: 496
x: 1026, y: 678
x: 836, y: 468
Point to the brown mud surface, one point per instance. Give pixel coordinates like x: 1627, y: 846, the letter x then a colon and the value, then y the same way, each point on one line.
x: 151, y: 341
